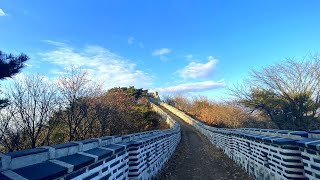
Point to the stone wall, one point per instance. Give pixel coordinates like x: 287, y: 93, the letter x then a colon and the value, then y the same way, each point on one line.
x: 265, y: 153
x: 133, y: 156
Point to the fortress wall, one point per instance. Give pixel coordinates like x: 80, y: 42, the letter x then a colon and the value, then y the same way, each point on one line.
x: 265, y: 153
x: 133, y: 156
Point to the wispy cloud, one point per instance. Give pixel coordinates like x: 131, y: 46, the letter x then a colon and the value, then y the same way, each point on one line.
x: 192, y: 87
x: 101, y: 64
x: 198, y: 70
x: 131, y: 40
x: 161, y: 52
x: 2, y: 13
x: 55, y: 43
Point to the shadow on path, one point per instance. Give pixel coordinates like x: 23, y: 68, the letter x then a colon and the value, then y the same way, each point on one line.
x: 196, y: 158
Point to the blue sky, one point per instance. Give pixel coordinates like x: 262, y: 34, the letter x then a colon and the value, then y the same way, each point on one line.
x: 195, y: 47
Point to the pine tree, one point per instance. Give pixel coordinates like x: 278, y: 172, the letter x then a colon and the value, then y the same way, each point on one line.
x: 9, y: 66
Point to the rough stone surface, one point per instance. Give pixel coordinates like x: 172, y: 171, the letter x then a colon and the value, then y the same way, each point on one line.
x: 196, y: 158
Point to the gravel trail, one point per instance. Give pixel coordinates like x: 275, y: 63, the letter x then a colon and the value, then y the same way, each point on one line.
x: 196, y: 158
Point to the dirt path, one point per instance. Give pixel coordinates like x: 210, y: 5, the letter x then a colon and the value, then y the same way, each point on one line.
x: 196, y: 158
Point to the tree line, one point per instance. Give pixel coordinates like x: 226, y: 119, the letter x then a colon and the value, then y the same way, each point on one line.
x: 37, y: 111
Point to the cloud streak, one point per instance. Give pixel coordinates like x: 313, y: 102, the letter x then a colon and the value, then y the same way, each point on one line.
x: 198, y: 70
x: 192, y: 87
x: 101, y: 64
x: 2, y: 13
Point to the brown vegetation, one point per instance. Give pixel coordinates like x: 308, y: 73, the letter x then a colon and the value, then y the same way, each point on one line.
x: 218, y: 114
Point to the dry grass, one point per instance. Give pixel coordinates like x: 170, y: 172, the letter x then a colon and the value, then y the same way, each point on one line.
x: 219, y: 114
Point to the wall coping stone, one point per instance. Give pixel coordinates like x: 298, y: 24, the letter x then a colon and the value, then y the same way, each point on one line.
x: 3, y: 177
x: 63, y: 164
x: 13, y: 175
x: 86, y: 141
x: 106, y: 138
x: 45, y: 170
x: 77, y: 160
x: 115, y: 148
x: 16, y: 154
x: 65, y: 145
x: 315, y: 132
x: 101, y: 153
x: 89, y: 155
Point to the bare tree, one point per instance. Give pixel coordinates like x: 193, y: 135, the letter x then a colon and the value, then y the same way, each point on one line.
x: 168, y: 99
x: 182, y: 102
x: 5, y: 119
x: 78, y: 93
x: 287, y: 92
x: 33, y: 101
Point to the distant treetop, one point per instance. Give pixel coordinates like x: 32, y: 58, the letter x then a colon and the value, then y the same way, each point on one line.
x: 131, y: 91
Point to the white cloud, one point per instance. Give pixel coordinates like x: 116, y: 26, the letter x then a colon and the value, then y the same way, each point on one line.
x: 161, y: 52
x: 101, y: 64
x: 192, y: 87
x: 198, y: 70
x: 2, y: 12
x: 131, y: 40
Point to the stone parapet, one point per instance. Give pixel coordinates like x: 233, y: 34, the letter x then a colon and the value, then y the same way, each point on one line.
x: 265, y: 153
x: 133, y: 156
